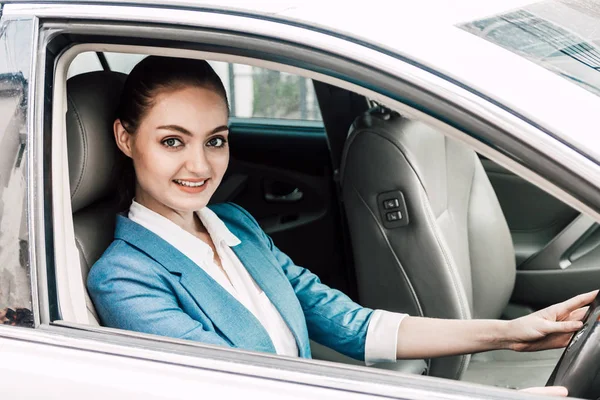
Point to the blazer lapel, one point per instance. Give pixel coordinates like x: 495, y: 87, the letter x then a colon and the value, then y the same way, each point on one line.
x: 271, y: 279
x: 231, y: 318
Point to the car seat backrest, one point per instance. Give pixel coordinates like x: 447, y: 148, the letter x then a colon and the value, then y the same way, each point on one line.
x: 92, y: 99
x: 454, y: 258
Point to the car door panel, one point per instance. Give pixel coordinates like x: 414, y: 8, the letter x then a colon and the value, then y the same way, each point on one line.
x: 533, y: 216
x: 287, y: 144
x: 557, y: 249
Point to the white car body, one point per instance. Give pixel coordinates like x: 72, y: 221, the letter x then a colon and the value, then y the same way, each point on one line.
x: 407, y: 40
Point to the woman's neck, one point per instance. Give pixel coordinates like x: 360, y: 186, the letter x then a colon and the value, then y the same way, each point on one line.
x: 186, y: 220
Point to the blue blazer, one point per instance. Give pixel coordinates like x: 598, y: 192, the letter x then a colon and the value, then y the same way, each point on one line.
x: 142, y: 283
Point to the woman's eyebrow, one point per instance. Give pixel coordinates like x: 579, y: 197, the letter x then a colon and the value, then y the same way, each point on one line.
x: 176, y: 128
x: 181, y: 129
x: 220, y: 129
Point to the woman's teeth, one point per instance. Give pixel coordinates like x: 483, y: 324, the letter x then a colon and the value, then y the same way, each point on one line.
x: 189, y: 184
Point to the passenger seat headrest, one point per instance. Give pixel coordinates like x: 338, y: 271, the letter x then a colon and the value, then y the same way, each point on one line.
x: 92, y: 100
x: 373, y: 116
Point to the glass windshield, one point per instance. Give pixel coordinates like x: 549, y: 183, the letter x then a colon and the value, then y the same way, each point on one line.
x: 563, y: 36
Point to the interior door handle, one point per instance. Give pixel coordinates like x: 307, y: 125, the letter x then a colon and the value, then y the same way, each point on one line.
x: 291, y: 197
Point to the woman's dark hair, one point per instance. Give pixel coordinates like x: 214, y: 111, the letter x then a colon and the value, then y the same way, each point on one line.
x: 150, y: 77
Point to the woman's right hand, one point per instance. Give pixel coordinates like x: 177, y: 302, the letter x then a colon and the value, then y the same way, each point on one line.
x: 3, y: 318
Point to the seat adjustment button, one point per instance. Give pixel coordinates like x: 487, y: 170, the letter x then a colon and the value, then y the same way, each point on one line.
x: 392, y: 209
x: 394, y: 216
x: 391, y: 203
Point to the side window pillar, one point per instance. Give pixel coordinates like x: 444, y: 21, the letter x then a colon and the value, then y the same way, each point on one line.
x: 15, y: 61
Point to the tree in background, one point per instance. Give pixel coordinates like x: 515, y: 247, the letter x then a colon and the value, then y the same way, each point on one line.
x: 278, y: 95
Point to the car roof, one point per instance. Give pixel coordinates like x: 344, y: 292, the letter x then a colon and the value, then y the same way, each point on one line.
x: 440, y: 11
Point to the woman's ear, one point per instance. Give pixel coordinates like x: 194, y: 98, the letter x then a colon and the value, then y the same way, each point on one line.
x: 122, y: 137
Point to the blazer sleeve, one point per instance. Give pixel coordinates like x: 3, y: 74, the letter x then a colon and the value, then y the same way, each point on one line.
x: 332, y: 318
x: 129, y: 294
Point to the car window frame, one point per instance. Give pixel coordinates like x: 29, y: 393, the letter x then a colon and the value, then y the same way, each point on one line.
x: 395, y: 103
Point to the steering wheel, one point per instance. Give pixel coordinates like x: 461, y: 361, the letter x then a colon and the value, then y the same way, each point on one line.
x: 579, y: 366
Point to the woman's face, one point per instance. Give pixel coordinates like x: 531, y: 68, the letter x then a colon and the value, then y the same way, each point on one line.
x: 180, y: 151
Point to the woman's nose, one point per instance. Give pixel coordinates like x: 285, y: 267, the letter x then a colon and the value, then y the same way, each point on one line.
x: 197, y: 163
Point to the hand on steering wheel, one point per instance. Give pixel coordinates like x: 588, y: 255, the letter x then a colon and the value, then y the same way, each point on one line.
x: 551, y: 327
x: 558, y: 391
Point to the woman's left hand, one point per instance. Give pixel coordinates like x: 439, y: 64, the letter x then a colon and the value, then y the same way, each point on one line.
x: 551, y: 327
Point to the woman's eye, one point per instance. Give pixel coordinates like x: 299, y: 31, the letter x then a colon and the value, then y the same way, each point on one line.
x: 216, y: 142
x: 172, y: 142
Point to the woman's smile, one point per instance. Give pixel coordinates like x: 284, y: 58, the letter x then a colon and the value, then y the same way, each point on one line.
x: 191, y: 185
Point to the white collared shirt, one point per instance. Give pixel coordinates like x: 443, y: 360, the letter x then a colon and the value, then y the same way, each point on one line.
x: 383, y: 327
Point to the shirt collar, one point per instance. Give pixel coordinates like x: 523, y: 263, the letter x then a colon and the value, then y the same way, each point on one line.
x: 217, y: 229
x: 167, y: 229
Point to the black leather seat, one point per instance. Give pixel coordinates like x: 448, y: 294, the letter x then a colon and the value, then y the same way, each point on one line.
x: 454, y: 258
x: 92, y: 99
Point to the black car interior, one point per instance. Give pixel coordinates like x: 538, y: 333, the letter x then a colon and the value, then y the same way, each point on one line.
x: 436, y: 244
